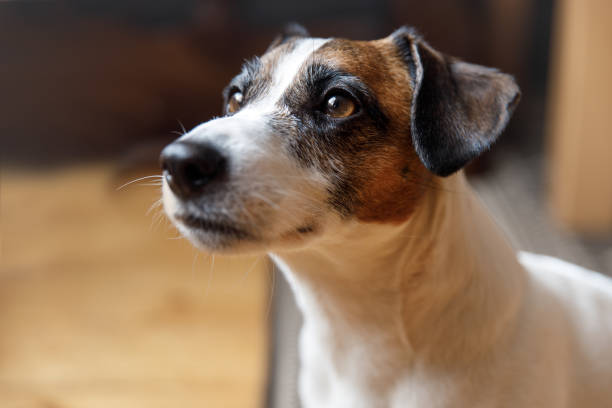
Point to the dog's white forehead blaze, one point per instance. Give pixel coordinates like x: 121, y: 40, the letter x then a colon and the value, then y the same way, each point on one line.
x: 287, y: 69
x: 247, y: 133
x: 252, y: 117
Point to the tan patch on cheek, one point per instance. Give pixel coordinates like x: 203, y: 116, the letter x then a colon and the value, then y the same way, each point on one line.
x: 391, y: 186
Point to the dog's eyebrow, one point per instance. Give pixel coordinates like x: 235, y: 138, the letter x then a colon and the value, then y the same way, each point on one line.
x: 251, y: 68
x: 246, y: 77
x: 318, y: 78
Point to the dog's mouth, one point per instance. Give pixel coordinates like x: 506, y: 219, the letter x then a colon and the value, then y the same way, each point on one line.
x: 207, y: 225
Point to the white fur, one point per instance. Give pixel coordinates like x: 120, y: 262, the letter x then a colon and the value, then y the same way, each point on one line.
x: 476, y: 328
x: 286, y: 71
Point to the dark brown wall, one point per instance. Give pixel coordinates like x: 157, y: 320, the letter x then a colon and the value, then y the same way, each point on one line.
x: 90, y: 79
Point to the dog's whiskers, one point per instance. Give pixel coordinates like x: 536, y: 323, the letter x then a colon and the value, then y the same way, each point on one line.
x: 193, y: 263
x: 210, y: 274
x: 155, y: 176
x: 156, y: 205
x: 265, y: 200
x: 246, y: 274
x: 182, y: 127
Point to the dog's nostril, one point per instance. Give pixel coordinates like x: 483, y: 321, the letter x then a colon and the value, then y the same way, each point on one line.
x: 195, y: 175
x: 190, y: 167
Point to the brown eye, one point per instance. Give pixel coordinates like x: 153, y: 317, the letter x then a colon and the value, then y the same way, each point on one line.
x: 339, y: 106
x: 235, y: 102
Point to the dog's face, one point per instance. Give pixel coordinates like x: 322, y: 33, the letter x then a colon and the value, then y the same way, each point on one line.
x: 322, y: 132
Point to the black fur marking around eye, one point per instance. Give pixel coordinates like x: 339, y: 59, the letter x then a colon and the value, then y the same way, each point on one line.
x: 332, y: 146
x: 252, y: 82
x: 308, y: 94
x: 245, y: 78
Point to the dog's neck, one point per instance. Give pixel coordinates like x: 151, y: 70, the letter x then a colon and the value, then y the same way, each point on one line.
x: 443, y: 283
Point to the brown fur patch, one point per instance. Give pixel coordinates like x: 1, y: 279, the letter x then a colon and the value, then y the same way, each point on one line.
x: 389, y: 178
x: 390, y: 186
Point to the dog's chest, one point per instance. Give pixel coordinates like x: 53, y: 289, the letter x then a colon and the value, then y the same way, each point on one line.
x: 346, y: 375
x: 326, y: 380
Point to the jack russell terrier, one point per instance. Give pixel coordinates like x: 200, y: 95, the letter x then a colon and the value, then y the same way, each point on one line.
x: 341, y: 159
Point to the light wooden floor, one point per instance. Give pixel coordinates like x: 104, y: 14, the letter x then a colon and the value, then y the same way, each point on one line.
x: 99, y: 308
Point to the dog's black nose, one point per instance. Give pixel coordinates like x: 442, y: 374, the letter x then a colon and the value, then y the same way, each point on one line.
x: 189, y: 167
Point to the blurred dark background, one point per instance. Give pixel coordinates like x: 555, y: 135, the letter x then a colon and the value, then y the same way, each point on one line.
x: 90, y: 79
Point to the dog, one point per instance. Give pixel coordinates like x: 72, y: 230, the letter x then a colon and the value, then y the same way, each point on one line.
x: 343, y: 161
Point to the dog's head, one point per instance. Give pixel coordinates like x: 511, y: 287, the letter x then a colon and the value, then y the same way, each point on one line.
x: 321, y: 132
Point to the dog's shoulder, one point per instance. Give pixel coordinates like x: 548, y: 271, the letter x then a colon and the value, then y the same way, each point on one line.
x: 579, y: 297
x: 566, y: 275
x: 569, y: 309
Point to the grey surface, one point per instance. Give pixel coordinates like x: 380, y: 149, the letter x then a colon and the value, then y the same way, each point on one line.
x: 515, y: 194
x: 284, y: 365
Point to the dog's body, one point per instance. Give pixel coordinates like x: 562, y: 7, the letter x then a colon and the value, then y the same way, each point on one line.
x: 341, y: 159
x: 439, y: 312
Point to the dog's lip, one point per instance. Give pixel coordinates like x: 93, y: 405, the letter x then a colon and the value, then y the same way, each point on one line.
x: 211, y: 225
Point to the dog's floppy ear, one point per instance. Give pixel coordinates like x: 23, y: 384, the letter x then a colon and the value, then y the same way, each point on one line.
x: 458, y: 109
x: 289, y: 31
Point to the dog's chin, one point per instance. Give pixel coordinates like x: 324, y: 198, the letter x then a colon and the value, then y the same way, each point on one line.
x: 220, y: 243
x: 226, y: 238
x: 214, y: 235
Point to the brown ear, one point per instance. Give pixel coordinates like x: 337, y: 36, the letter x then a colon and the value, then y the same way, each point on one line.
x: 458, y: 109
x: 289, y: 31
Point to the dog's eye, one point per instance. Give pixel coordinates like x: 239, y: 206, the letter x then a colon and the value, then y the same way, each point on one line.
x: 235, y: 102
x: 339, y: 106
